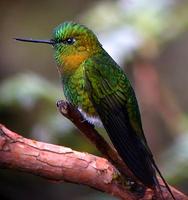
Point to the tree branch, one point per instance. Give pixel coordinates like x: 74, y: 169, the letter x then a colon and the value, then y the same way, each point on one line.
x: 59, y: 163
x: 63, y: 164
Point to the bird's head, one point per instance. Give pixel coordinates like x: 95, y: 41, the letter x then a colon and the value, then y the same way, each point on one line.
x: 73, y: 43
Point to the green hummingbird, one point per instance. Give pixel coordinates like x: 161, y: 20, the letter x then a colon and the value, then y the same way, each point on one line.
x: 95, y: 84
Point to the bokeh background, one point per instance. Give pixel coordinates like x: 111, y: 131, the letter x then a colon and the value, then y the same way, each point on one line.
x: 149, y: 39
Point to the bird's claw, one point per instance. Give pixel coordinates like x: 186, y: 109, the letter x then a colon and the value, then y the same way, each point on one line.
x: 62, y: 106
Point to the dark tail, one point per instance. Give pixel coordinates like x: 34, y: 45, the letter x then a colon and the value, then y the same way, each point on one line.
x: 164, y: 181
x: 158, y: 190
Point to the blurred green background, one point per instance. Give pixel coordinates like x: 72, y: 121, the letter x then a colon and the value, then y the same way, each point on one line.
x: 149, y: 39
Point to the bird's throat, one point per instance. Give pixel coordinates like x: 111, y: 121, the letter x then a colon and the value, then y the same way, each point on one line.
x: 70, y: 63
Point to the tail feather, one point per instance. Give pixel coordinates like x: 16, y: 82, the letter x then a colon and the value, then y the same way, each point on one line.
x: 158, y: 189
x: 164, y: 181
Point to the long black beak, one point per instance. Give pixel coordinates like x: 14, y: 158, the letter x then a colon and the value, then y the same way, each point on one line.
x: 52, y: 42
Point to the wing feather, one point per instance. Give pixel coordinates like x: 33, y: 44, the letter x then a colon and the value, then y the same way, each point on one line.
x: 111, y: 105
x: 114, y: 100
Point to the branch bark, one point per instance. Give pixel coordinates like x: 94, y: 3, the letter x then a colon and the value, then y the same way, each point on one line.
x: 64, y: 164
x: 59, y: 163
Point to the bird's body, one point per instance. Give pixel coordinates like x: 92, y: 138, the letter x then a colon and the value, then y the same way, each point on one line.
x: 95, y: 84
x: 77, y: 92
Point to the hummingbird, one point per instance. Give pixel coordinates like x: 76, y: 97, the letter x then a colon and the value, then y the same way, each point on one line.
x: 95, y: 84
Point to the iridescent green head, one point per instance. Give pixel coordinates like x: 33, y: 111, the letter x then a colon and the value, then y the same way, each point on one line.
x: 73, y: 43
x: 74, y: 39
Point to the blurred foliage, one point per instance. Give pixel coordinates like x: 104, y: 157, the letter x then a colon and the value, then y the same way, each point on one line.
x: 147, y: 38
x: 176, y: 169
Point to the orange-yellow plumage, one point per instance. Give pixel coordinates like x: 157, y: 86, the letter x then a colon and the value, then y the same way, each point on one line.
x: 72, y: 61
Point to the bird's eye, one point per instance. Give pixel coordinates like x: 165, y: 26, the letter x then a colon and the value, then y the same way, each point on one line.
x: 69, y: 41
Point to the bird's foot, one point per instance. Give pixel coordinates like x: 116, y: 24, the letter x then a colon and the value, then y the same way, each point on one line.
x: 62, y: 106
x: 136, y: 188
